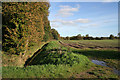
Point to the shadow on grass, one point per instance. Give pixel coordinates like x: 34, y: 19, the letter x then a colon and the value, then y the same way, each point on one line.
x: 55, y: 53
x: 101, y: 54
x: 57, y: 50
x: 37, y: 52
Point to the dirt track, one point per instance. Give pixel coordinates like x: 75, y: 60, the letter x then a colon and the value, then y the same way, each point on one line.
x: 80, y: 46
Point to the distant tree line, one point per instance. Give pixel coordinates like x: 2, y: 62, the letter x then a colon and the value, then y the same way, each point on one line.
x: 87, y: 37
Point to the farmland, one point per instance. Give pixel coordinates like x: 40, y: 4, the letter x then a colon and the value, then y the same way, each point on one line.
x: 105, y: 50
x: 94, y: 44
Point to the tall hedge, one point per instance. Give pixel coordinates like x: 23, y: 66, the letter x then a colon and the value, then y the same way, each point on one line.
x: 24, y: 24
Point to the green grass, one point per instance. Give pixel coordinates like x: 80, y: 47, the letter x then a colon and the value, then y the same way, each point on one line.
x: 55, y: 71
x: 41, y: 71
x: 111, y: 57
x: 99, y: 54
x: 58, y: 61
x: 54, y: 53
x: 52, y: 45
x: 51, y: 63
x: 60, y: 58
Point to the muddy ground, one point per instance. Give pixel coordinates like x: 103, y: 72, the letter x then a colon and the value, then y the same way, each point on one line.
x: 84, y: 46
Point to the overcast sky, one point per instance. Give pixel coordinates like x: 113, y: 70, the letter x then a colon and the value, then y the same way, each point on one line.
x: 93, y: 18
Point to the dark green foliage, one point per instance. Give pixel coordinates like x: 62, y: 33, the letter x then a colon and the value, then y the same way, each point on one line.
x: 119, y: 34
x: 103, y: 54
x: 111, y: 37
x: 55, y: 54
x: 55, y: 34
x: 47, y: 29
x: 87, y: 35
x: 67, y: 38
x: 63, y: 58
x: 46, y: 37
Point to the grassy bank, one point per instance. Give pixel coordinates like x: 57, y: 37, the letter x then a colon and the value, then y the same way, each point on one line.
x: 54, y: 53
x: 19, y: 60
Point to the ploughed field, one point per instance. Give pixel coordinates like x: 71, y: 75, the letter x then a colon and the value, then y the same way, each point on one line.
x: 70, y: 59
x: 92, y: 44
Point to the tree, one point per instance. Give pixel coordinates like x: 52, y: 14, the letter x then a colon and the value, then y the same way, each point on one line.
x: 55, y: 34
x: 79, y: 37
x: 87, y: 35
x: 119, y: 35
x: 67, y: 38
x: 111, y: 37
